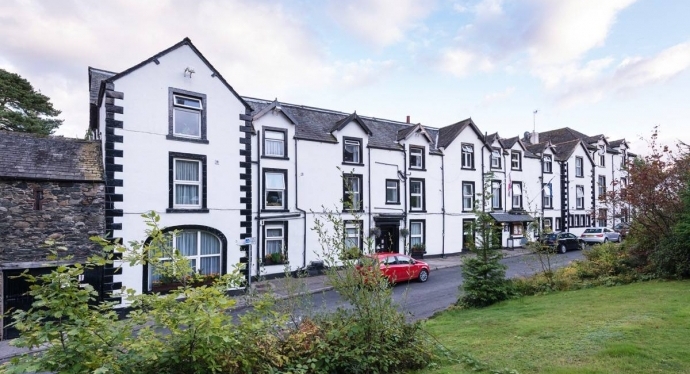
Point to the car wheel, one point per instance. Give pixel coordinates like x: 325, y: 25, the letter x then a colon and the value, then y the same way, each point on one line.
x: 606, y: 240
x: 583, y: 246
x: 562, y: 248
x: 423, y: 275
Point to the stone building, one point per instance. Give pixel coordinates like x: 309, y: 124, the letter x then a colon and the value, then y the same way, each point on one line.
x: 51, y: 188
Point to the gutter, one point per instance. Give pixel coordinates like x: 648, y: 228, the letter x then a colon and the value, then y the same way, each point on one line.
x: 304, y: 233
x: 369, y: 183
x: 404, y: 174
x: 443, y: 208
x: 258, y: 208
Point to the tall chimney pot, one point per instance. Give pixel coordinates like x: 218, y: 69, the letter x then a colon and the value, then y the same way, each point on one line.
x: 408, y: 119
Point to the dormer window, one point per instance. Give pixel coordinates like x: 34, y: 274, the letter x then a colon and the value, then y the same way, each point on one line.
x: 416, y: 158
x: 495, y: 159
x: 515, y: 160
x: 274, y: 143
x: 352, y: 150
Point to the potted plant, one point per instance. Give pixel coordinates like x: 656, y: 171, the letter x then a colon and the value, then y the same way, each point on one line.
x: 418, y: 250
x: 351, y: 253
x: 275, y: 258
x: 404, y: 232
x: 375, y: 232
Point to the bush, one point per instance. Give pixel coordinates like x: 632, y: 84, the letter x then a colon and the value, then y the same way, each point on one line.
x: 484, y: 281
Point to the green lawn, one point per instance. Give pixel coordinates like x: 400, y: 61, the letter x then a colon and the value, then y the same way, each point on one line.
x: 637, y: 328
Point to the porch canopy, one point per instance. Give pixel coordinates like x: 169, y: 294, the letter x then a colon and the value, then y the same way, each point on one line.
x: 511, y: 217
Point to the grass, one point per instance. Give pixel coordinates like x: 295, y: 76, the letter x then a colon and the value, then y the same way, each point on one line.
x: 636, y: 328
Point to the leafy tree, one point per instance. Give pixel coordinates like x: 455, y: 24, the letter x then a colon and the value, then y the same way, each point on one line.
x: 24, y: 109
x: 484, y: 276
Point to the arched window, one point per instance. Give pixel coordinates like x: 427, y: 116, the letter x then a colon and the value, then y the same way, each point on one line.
x: 206, y: 249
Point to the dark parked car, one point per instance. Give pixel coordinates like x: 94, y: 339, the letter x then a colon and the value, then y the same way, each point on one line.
x: 562, y: 241
x: 622, y: 228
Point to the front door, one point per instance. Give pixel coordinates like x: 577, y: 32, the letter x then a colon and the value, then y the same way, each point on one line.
x: 389, y: 240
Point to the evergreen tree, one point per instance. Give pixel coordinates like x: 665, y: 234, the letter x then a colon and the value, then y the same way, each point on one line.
x: 24, y: 109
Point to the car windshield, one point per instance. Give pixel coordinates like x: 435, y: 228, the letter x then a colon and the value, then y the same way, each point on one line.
x: 551, y: 236
x: 589, y: 231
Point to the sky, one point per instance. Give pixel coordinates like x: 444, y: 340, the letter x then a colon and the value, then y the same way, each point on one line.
x: 617, y: 67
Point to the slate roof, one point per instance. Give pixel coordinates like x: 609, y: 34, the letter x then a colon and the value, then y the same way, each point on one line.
x: 509, y: 142
x: 96, y: 76
x: 317, y: 124
x: 561, y: 135
x: 616, y: 143
x: 447, y: 134
x: 564, y: 150
x: 30, y: 156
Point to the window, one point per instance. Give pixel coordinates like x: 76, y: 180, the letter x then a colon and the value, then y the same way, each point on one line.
x: 352, y: 150
x: 467, y: 196
x: 624, y: 182
x: 203, y: 250
x: 186, y: 116
x: 515, y: 160
x: 275, y: 189
x: 548, y: 195
x: 416, y: 194
x: 352, y: 192
x: 38, y: 197
x: 392, y: 191
x: 496, y: 192
x: 580, y: 197
x: 547, y: 164
x: 186, y: 182
x: 416, y: 232
x: 495, y: 159
x: 416, y: 158
x: 468, y: 156
x: 558, y: 223
x: 517, y: 194
x: 547, y: 225
x: 275, y: 243
x: 274, y: 143
x: 579, y: 172
x: 353, y: 235
x: 601, y: 220
x: 516, y: 229
x: 602, y: 185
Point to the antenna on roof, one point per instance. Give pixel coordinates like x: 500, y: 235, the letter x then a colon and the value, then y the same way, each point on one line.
x: 534, y: 120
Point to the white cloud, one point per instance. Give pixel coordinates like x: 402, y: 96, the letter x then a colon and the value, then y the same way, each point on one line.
x: 362, y: 72
x: 497, y: 96
x: 380, y: 22
x: 461, y: 62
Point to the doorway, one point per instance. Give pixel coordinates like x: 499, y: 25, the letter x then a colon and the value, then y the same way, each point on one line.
x: 389, y: 240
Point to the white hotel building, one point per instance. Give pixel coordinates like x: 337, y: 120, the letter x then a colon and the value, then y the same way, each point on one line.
x: 221, y: 167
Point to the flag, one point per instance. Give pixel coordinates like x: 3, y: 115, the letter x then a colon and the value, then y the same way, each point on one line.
x: 510, y: 185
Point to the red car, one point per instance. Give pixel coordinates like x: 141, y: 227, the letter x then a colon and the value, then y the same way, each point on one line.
x: 398, y: 268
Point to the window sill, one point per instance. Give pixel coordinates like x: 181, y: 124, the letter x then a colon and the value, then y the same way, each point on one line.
x: 548, y: 172
x: 418, y: 169
x: 496, y: 168
x: 467, y: 211
x: 353, y: 211
x: 392, y: 203
x: 418, y: 211
x: 271, y: 263
x: 352, y: 163
x: 183, y: 210
x: 579, y: 176
x: 465, y: 168
x: 276, y: 158
x: 183, y: 139
x: 513, y: 169
x: 274, y: 210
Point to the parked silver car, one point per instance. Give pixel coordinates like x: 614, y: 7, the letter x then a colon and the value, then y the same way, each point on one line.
x: 598, y: 235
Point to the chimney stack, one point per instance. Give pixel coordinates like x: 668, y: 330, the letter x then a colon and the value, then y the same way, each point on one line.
x: 408, y: 119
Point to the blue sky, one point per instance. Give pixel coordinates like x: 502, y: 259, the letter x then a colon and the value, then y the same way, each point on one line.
x: 617, y: 67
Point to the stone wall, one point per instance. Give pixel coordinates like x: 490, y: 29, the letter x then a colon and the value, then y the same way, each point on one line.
x: 70, y: 213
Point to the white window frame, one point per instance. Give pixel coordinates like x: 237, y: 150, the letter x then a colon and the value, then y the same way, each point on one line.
x: 187, y: 108
x: 548, y: 166
x: 548, y: 197
x: 579, y: 201
x: 420, y: 194
x: 353, y: 190
x: 353, y: 230
x: 419, y: 153
x: 280, y: 238
x: 547, y: 224
x: 467, y: 156
x: 282, y: 191
x: 602, y: 186
x: 421, y: 233
x: 268, y: 138
x: 579, y: 169
x: 355, y: 157
x: 515, y: 196
x: 197, y: 257
x: 496, y: 197
x: 467, y: 198
x: 394, y: 187
x: 198, y: 183
x: 495, y: 159
x: 515, y: 160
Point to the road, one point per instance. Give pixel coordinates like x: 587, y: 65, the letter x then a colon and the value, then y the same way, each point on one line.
x: 422, y: 300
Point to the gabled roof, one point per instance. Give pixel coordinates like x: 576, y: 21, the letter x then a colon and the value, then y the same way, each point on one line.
x: 339, y: 125
x: 154, y: 59
x: 407, y: 132
x: 565, y: 150
x: 96, y: 76
x: 36, y: 157
x: 561, y: 135
x: 275, y: 105
x: 316, y: 124
x: 618, y: 143
x: 494, y: 137
x: 539, y: 148
x: 447, y: 134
